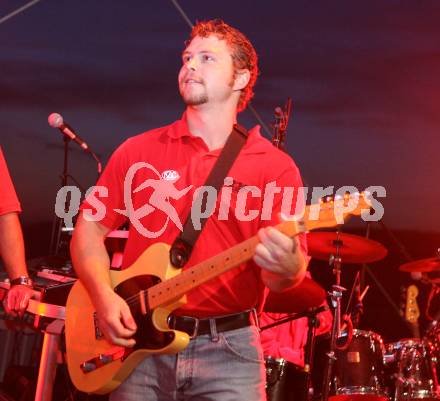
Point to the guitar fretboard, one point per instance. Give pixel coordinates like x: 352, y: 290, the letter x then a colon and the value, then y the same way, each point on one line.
x: 176, y: 287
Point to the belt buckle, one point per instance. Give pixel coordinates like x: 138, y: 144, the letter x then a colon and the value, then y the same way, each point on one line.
x: 172, y: 324
x: 196, y: 326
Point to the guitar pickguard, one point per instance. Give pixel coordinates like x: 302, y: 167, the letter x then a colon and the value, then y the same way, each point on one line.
x: 147, y: 335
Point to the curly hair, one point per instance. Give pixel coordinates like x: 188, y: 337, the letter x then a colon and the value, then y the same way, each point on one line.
x: 243, y: 54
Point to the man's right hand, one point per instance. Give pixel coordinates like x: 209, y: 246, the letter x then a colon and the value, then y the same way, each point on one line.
x: 115, y: 319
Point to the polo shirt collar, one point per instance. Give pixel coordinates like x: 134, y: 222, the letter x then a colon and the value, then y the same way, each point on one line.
x: 254, y: 145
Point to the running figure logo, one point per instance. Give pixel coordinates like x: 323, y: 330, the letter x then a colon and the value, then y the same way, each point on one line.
x: 163, y: 190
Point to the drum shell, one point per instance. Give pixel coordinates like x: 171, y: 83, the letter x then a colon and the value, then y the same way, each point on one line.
x: 285, y: 381
x: 412, y: 363
x: 359, y: 368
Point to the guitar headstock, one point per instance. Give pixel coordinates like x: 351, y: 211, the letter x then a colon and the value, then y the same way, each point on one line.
x: 412, y: 312
x: 333, y: 211
x: 327, y: 213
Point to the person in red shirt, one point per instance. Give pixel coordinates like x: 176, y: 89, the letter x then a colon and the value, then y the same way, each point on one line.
x: 12, y: 245
x: 288, y: 340
x: 224, y: 359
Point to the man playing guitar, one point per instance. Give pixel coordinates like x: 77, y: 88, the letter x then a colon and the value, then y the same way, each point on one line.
x: 224, y: 360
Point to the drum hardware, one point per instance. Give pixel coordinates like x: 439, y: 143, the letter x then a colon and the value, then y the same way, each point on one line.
x: 412, y: 362
x: 335, y: 296
x: 338, y: 247
x: 309, y: 314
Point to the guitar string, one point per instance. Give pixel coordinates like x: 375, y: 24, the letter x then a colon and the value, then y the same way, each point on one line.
x: 132, y: 300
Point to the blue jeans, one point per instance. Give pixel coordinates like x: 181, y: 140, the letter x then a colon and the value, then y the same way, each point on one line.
x: 227, y: 366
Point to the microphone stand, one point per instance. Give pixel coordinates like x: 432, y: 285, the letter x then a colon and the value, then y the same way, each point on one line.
x: 57, y: 223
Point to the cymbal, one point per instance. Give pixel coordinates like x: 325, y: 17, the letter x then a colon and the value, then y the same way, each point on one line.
x: 422, y: 266
x: 308, y: 294
x: 352, y: 248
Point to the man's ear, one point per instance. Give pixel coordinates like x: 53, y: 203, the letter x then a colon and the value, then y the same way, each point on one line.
x: 242, y: 78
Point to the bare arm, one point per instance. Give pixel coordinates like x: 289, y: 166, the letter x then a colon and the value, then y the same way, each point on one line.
x: 92, y: 263
x: 12, y: 252
x: 12, y: 245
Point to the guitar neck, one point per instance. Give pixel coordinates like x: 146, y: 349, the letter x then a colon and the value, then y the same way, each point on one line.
x: 315, y: 216
x: 174, y: 288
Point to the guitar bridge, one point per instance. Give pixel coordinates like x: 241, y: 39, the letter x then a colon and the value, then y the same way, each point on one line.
x: 104, y: 359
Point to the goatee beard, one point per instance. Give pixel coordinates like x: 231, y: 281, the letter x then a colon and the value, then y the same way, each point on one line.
x: 195, y: 100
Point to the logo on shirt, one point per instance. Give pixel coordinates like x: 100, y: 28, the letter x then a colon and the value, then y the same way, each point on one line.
x: 170, y: 175
x: 163, y: 191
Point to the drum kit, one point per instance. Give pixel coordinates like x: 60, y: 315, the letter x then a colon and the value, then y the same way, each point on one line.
x: 358, y: 365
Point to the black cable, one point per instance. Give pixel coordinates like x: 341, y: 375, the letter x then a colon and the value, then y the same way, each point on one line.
x: 18, y: 11
x: 399, y: 245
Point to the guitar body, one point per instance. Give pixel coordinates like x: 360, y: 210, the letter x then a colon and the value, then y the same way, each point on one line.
x: 153, y: 334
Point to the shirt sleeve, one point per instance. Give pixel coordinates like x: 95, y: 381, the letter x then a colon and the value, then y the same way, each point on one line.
x: 290, y: 201
x: 8, y: 198
x: 105, y: 203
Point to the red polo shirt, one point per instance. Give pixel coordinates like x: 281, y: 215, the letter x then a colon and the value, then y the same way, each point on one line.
x: 8, y: 198
x: 178, y: 160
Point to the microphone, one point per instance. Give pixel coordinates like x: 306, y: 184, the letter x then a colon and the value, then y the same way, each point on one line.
x: 55, y: 120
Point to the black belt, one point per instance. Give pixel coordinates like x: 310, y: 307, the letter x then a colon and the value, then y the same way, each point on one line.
x: 197, y: 327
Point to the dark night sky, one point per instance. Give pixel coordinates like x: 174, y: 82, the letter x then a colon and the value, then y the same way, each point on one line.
x: 364, y: 78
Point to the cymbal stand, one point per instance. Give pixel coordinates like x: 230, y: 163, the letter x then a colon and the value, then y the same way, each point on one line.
x: 335, y: 297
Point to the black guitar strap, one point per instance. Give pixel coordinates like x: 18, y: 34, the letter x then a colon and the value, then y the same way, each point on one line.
x: 183, y: 245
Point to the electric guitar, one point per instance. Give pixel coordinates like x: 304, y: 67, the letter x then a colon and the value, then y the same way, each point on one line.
x: 412, y: 312
x: 153, y: 288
